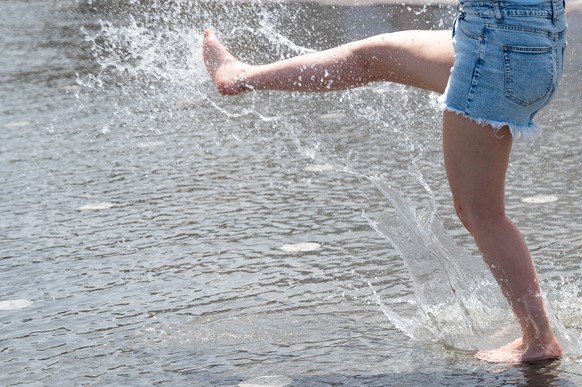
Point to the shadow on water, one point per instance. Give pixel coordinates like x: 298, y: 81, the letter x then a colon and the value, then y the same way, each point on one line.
x: 145, y: 215
x: 525, y: 375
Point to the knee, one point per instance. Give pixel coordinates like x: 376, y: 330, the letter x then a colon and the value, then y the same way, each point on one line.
x: 475, y: 215
x: 462, y: 214
x: 362, y: 58
x: 375, y: 57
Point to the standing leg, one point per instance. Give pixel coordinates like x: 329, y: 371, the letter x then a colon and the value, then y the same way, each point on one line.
x: 476, y: 161
x: 416, y: 58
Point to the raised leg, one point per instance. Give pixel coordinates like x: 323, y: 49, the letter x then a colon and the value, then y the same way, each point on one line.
x: 476, y: 161
x: 417, y: 58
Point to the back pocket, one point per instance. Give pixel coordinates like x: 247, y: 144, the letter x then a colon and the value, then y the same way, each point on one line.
x: 529, y: 74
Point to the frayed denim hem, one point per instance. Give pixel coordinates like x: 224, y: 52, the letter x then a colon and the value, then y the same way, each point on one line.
x: 530, y: 131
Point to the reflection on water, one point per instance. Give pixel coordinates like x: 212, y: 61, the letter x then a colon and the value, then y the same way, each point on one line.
x: 155, y: 232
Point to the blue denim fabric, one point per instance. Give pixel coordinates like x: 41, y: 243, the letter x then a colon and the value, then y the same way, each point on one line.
x: 508, y: 62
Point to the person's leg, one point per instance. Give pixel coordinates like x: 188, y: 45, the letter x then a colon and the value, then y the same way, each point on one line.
x: 416, y: 58
x: 476, y: 161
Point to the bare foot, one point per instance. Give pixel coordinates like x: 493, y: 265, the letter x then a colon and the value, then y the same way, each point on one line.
x: 518, y: 352
x: 226, y: 71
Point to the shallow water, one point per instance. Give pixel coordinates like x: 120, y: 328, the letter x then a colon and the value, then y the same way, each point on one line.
x: 154, y: 232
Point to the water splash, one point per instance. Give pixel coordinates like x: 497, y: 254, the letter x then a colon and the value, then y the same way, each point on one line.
x: 138, y: 50
x: 458, y: 302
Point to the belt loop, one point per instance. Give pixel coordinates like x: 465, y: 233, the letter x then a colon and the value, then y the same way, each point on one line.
x: 497, y: 8
x: 554, y: 12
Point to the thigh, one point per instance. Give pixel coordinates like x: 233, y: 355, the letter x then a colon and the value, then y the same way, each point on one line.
x: 419, y: 58
x: 476, y: 160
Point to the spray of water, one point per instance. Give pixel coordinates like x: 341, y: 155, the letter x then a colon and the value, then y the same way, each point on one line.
x: 458, y: 303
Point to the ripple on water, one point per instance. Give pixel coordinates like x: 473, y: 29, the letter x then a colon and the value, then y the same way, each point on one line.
x: 267, y: 381
x: 183, y: 281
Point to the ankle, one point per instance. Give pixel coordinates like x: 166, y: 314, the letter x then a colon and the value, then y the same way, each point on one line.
x: 240, y: 82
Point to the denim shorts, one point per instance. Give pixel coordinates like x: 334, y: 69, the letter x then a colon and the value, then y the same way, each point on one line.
x: 508, y: 62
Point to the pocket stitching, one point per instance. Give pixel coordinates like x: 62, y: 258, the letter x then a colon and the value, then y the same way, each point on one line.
x: 509, y: 92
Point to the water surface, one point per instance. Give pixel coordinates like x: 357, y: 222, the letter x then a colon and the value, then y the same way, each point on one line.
x: 153, y: 224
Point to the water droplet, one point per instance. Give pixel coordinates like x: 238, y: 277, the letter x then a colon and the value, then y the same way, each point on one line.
x: 267, y: 381
x: 15, y: 304
x: 540, y: 199
x: 310, y: 246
